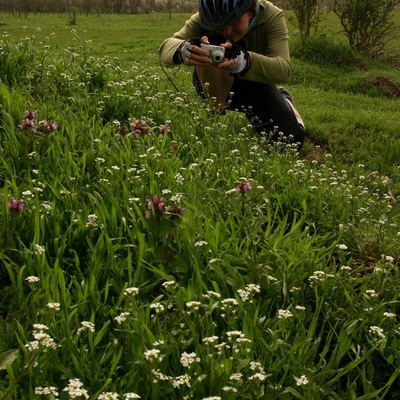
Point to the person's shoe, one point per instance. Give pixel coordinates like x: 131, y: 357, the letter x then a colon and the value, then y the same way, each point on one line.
x: 286, y: 94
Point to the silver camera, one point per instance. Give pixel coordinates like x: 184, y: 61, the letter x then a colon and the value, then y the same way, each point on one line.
x: 215, y: 53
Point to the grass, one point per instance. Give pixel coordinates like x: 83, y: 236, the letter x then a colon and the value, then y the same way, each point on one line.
x: 151, y: 248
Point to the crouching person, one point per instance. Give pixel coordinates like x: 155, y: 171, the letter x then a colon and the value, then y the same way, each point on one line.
x: 240, y: 52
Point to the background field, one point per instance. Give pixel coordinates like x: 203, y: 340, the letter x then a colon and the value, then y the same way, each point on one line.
x: 164, y: 252
x: 350, y: 105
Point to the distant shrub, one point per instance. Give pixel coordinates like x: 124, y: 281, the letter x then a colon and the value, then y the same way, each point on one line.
x: 327, y: 51
x: 367, y: 24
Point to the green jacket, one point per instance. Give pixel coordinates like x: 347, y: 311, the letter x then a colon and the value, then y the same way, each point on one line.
x: 268, y: 40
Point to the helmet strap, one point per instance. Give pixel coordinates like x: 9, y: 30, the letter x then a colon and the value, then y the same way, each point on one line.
x: 253, y: 20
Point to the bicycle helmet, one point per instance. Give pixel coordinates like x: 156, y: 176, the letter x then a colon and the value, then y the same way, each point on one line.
x: 217, y: 14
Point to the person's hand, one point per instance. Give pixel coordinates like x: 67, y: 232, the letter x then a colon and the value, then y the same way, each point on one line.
x: 190, y: 52
x: 185, y: 51
x: 241, y: 60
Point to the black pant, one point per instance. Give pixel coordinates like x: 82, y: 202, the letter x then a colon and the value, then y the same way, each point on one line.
x: 265, y: 108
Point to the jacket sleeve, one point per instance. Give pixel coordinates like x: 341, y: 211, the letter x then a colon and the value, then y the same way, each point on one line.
x: 269, y: 42
x: 191, y: 29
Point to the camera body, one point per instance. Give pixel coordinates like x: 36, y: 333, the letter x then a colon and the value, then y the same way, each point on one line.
x: 215, y: 53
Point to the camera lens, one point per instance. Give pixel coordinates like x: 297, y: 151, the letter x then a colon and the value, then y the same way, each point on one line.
x: 217, y: 57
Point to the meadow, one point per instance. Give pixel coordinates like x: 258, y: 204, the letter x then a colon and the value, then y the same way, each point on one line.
x: 152, y: 249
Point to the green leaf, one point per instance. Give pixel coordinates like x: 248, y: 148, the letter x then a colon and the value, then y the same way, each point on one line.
x: 7, y: 358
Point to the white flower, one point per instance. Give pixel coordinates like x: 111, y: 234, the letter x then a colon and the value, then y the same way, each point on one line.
x: 258, y: 376
x: 131, y: 291
x: 91, y: 221
x: 342, y: 246
x: 153, y: 354
x: 39, y: 249
x: 389, y: 315
x: 49, y: 390
x: 193, y: 305
x: 236, y: 377
x: 86, y: 325
x: 319, y: 276
x: 232, y: 334
x: 256, y: 366
x: 128, y: 396
x: 210, y: 339
x: 377, y: 331
x: 54, y: 306
x: 74, y: 389
x: 301, y: 381
x: 248, y: 292
x: 181, y: 380
x: 159, y: 376
x: 189, y: 358
x: 229, y: 389
x: 284, y: 314
x: 40, y: 327
x: 389, y: 259
x: 211, y: 293
x: 32, y: 279
x: 108, y: 396
x: 42, y: 340
x: 200, y: 243
x: 167, y: 284
x: 121, y: 317
x: 229, y: 302
x: 157, y: 307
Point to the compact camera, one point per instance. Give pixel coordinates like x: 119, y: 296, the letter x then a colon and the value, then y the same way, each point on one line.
x: 215, y: 53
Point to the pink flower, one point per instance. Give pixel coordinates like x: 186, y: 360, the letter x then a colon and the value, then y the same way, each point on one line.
x: 157, y: 205
x: 139, y: 127
x: 30, y: 114
x: 28, y: 125
x: 47, y: 126
x: 243, y: 187
x: 163, y: 129
x: 175, y: 209
x: 16, y: 206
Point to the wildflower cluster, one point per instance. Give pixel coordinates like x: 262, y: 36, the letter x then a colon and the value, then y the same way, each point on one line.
x: 16, y: 206
x: 243, y: 187
x: 30, y: 124
x: 156, y: 207
x: 43, y: 341
x: 139, y: 128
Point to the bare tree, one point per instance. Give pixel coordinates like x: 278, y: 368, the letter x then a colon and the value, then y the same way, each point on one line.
x: 367, y: 23
x: 308, y: 15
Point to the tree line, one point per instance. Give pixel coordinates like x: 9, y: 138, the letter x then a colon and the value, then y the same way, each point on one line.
x: 26, y: 7
x: 367, y: 24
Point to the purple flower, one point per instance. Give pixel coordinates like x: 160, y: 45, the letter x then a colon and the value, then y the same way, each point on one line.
x: 30, y: 114
x: 121, y: 130
x: 139, y: 127
x: 16, y: 206
x: 243, y: 187
x: 47, y: 126
x: 175, y: 209
x: 163, y: 129
x: 157, y: 205
x: 28, y: 125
